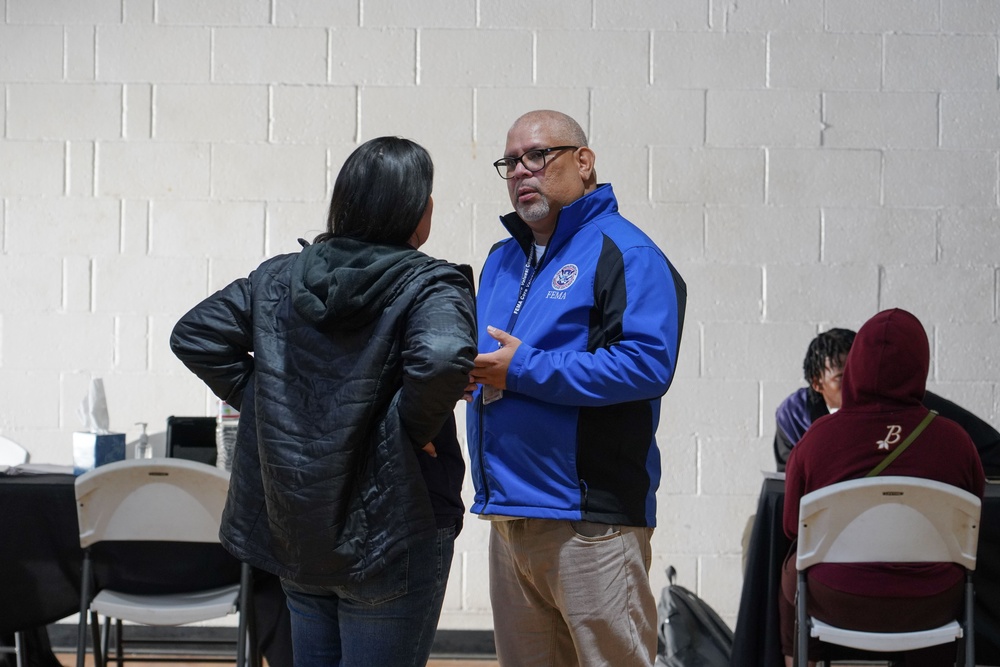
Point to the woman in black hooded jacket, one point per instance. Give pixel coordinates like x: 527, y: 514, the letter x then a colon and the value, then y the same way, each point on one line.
x: 346, y: 361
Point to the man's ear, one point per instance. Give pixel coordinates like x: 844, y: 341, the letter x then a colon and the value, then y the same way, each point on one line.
x: 585, y: 159
x: 816, y: 385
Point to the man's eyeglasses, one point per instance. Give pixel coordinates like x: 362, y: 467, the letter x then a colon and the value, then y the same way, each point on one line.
x: 533, y: 160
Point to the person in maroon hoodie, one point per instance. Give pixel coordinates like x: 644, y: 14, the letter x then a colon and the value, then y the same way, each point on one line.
x: 884, y: 378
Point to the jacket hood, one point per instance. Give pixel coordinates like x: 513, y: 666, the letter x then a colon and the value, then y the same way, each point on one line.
x: 888, y: 363
x: 345, y: 284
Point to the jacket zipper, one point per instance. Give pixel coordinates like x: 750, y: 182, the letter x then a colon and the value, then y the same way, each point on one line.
x: 482, y: 454
x: 482, y: 405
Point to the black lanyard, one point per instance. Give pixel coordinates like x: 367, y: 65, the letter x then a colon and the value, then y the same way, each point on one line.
x: 527, y: 277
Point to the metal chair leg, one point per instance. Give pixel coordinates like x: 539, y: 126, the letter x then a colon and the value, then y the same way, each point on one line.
x: 85, y: 586
x: 95, y: 631
x: 20, y: 650
x: 119, y: 642
x: 244, y: 608
x: 106, y: 639
x: 802, y: 629
x: 970, y: 622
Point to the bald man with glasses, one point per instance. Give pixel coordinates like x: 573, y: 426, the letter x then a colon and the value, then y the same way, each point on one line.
x: 580, y: 319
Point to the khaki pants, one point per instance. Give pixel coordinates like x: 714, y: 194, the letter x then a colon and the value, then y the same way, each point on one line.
x: 571, y: 593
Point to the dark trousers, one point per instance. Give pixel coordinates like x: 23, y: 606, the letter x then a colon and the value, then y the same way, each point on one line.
x: 874, y: 614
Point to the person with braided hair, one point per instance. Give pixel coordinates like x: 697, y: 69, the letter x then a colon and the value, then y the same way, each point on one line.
x: 823, y: 370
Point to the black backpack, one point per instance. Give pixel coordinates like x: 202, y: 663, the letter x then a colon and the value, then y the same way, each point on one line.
x: 690, y: 633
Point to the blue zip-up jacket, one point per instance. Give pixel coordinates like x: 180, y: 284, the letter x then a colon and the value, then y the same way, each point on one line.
x: 573, y: 437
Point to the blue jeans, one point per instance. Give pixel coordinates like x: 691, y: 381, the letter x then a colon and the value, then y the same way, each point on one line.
x: 389, y: 619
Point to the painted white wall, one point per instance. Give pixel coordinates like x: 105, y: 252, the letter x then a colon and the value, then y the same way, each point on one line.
x: 804, y: 163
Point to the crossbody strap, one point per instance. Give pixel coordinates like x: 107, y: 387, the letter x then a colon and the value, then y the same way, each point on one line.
x: 906, y: 443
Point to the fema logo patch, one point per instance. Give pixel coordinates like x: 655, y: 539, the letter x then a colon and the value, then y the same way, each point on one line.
x: 565, y: 277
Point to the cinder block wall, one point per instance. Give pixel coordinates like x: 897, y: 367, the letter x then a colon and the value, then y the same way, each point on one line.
x: 805, y: 163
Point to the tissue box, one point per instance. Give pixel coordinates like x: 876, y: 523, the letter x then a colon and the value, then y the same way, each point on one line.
x: 95, y: 449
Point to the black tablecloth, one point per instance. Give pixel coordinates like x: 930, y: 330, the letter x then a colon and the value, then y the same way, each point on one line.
x: 41, y: 558
x: 757, y: 640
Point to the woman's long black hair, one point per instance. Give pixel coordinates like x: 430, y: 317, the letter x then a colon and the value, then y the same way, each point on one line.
x: 381, y: 192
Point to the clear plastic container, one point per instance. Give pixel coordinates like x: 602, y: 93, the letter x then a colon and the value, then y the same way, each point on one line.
x: 226, y: 425
x: 143, y: 449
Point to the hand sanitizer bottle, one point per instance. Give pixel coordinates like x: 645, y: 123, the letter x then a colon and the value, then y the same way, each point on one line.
x: 143, y: 450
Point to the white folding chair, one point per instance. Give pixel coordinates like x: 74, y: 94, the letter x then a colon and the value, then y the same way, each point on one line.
x: 887, y: 519
x: 154, y: 500
x: 12, y: 454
